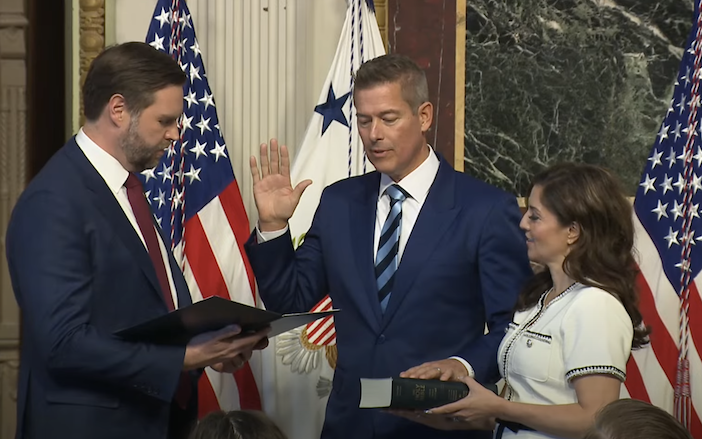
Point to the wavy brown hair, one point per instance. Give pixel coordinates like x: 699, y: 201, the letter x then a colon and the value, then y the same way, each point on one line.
x: 602, y: 256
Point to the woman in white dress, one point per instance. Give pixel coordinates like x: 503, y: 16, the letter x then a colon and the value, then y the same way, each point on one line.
x: 564, y: 356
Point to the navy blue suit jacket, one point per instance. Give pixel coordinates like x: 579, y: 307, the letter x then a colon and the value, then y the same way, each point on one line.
x: 80, y: 272
x: 463, y: 266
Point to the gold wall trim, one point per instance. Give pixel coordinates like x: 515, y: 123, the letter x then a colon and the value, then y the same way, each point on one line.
x: 381, y: 14
x: 91, y: 37
x: 460, y: 87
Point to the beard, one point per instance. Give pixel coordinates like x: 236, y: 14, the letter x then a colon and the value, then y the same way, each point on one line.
x: 139, y: 154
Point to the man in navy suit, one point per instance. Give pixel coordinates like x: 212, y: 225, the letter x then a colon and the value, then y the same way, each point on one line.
x: 456, y: 267
x: 87, y: 259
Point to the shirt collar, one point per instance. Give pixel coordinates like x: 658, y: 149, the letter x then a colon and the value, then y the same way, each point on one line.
x: 107, y: 166
x: 418, y: 182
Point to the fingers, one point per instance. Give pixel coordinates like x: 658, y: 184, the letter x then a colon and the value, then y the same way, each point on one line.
x: 265, y: 167
x: 433, y: 372
x: 230, y: 366
x: 274, y: 157
x: 216, y: 336
x: 443, y: 370
x: 261, y: 345
x: 254, y: 170
x: 226, y: 332
x: 411, y: 372
x: 300, y: 188
x: 446, y: 409
x: 247, y: 342
x: 447, y: 375
x: 284, y: 161
x: 219, y: 367
x: 427, y: 371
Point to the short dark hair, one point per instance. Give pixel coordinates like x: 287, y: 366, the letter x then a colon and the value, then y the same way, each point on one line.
x: 237, y: 424
x: 135, y: 70
x: 632, y: 419
x: 393, y: 68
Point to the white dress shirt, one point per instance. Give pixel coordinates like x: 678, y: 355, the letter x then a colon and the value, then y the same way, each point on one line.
x: 115, y: 176
x: 417, y: 184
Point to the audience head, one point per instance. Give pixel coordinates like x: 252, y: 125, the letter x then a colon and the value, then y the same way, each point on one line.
x: 237, y: 424
x: 393, y: 113
x: 632, y: 419
x: 578, y: 220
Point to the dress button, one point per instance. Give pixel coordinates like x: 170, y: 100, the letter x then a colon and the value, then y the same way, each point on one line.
x: 381, y: 339
x: 529, y: 343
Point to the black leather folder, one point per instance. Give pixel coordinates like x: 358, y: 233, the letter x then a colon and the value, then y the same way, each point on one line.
x: 211, y: 314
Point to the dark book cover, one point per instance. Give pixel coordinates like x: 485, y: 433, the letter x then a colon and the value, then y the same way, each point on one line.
x: 409, y: 393
x: 211, y: 314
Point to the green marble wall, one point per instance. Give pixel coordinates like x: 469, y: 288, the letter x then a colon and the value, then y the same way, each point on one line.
x: 568, y: 80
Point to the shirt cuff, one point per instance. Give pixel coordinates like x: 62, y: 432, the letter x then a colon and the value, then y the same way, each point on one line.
x: 469, y: 368
x: 262, y: 237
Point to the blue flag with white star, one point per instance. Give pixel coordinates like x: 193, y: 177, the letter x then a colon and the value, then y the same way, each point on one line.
x: 331, y: 150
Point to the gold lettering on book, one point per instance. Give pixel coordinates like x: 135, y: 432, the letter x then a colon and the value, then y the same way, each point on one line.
x: 419, y: 392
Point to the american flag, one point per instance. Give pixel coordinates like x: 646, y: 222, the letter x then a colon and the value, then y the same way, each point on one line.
x: 195, y: 198
x: 669, y: 246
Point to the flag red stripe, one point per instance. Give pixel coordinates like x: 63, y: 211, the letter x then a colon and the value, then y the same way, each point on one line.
x: 202, y: 261
x: 695, y: 425
x: 317, y: 336
x: 664, y: 348
x: 324, y: 305
x: 662, y: 343
x: 205, y: 269
x: 249, y: 397
x: 206, y: 399
x: 634, y: 382
x: 234, y: 209
x: 694, y: 312
x: 316, y: 326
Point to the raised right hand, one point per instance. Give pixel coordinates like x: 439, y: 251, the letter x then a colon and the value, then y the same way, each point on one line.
x: 223, y: 346
x: 274, y: 195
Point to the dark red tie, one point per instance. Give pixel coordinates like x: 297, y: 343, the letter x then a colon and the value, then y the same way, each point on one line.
x: 142, y: 212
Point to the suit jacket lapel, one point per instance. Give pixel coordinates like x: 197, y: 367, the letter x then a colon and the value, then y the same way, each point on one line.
x: 179, y: 282
x: 105, y: 201
x: 436, y: 216
x: 362, y: 213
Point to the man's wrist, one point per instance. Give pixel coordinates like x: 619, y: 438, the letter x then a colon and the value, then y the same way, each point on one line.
x: 271, y: 226
x: 469, y: 369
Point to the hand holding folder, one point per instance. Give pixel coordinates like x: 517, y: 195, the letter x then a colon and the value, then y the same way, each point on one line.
x: 180, y: 326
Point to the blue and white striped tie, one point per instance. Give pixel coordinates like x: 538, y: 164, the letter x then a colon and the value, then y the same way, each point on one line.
x: 387, y: 257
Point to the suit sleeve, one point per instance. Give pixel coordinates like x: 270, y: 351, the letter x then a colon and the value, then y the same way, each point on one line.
x: 48, y: 251
x: 291, y: 280
x: 504, y: 267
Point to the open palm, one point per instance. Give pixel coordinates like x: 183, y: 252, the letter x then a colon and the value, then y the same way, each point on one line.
x: 274, y: 195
